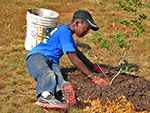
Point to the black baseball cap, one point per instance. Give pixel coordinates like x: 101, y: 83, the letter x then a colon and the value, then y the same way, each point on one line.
x: 83, y: 14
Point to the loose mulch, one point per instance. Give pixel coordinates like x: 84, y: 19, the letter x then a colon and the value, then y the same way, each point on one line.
x: 136, y: 89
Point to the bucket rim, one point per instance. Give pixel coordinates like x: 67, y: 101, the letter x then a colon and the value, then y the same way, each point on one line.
x: 53, y: 17
x: 34, y: 17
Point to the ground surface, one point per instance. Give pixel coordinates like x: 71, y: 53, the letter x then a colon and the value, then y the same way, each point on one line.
x: 18, y: 88
x: 136, y: 89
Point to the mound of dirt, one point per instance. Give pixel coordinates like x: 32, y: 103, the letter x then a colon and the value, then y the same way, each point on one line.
x: 136, y: 89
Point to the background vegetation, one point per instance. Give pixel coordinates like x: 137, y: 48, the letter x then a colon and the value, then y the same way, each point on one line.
x: 18, y: 88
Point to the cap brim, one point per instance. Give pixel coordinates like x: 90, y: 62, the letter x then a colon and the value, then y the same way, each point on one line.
x: 94, y: 27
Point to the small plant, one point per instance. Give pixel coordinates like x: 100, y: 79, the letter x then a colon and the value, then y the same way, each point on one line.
x: 120, y: 41
x: 128, y: 69
x: 91, y: 75
x: 96, y: 40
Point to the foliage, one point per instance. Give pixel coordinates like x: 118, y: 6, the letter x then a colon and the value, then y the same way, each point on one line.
x: 136, y: 25
x: 131, y: 5
x: 123, y: 41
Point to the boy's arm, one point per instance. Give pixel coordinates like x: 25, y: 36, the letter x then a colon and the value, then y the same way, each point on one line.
x: 82, y: 67
x: 88, y: 62
x: 84, y: 58
x: 78, y: 63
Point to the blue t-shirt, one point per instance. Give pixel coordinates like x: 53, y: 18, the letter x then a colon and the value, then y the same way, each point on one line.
x: 59, y: 43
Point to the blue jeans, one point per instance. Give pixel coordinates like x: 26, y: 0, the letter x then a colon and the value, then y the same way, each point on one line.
x: 46, y: 72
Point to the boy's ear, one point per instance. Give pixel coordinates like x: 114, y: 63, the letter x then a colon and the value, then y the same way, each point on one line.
x: 77, y: 23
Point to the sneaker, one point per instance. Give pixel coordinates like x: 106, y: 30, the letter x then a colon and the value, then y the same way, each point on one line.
x: 50, y: 103
x: 69, y: 94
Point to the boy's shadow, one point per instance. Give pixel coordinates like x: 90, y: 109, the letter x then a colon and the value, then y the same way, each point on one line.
x: 83, y: 46
x: 130, y: 67
x: 126, y: 67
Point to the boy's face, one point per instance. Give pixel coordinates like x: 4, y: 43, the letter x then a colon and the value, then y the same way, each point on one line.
x: 82, y: 29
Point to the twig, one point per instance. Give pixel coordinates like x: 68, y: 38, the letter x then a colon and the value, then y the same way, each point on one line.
x: 103, y: 72
x: 115, y: 76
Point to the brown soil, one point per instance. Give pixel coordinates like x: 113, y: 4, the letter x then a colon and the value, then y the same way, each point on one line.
x: 136, y: 89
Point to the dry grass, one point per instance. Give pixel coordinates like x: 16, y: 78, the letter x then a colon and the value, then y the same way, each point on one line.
x: 17, y: 87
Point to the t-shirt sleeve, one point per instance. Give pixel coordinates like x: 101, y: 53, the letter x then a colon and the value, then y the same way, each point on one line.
x: 68, y: 43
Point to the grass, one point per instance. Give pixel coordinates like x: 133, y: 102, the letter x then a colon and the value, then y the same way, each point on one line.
x: 17, y: 87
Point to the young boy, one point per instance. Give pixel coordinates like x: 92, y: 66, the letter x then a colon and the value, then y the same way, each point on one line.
x: 42, y: 62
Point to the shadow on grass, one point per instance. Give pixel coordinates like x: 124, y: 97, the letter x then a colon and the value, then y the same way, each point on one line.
x: 126, y: 67
x: 84, y: 46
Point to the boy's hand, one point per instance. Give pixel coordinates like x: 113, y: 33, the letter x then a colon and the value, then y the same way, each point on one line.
x: 100, y: 81
x: 97, y: 69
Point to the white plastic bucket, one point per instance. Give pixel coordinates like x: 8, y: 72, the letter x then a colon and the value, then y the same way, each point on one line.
x: 40, y: 22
